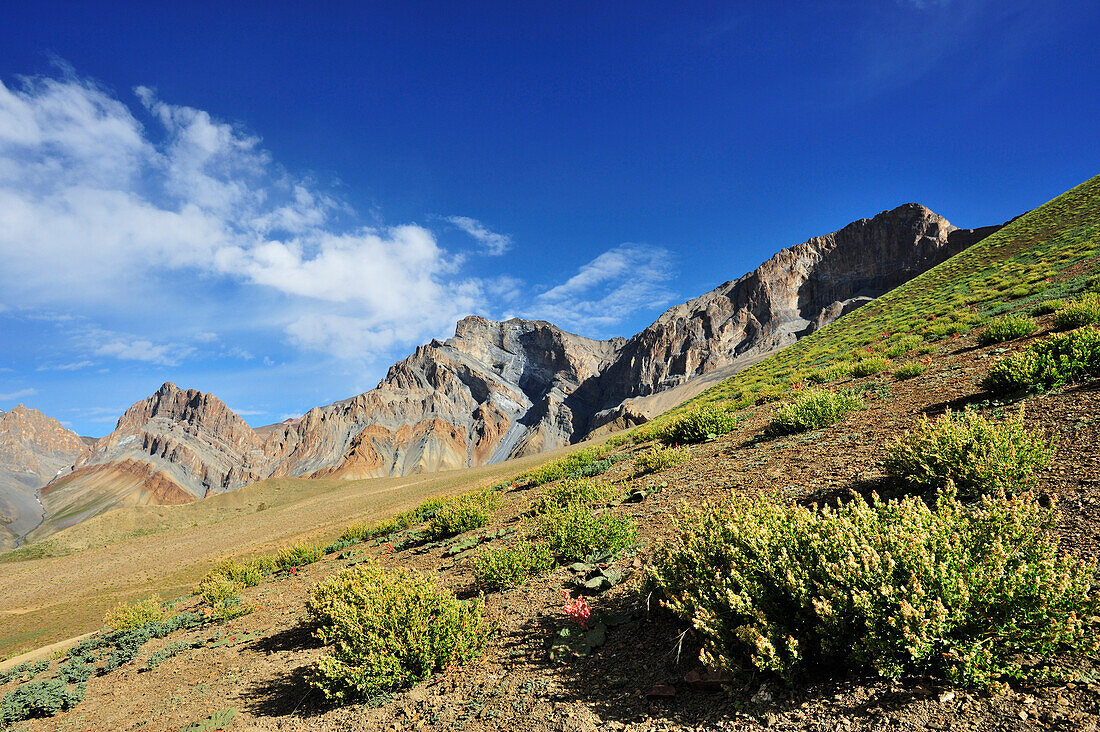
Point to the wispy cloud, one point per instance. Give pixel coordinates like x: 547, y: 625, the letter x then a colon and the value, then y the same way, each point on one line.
x: 608, y: 289
x: 72, y: 366
x: 11, y: 396
x: 127, y: 347
x: 493, y: 243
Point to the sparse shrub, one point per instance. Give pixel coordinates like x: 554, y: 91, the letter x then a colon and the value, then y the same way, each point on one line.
x: 699, y: 424
x: 972, y: 594
x: 223, y: 596
x: 576, y: 464
x: 1007, y: 328
x: 976, y: 454
x: 812, y: 409
x: 1048, y: 364
x: 1046, y: 307
x: 499, y: 569
x: 298, y: 555
x: 574, y: 531
x: 125, y: 645
x: 869, y: 367
x: 387, y: 630
x: 1092, y: 284
x: 910, y: 370
x: 829, y: 373
x: 660, y: 457
x: 130, y: 615
x: 247, y: 573
x: 462, y: 513
x: 944, y: 328
x: 903, y: 346
x: 583, y: 490
x: 1076, y: 314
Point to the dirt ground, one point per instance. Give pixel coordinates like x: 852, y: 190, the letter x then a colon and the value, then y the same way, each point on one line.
x: 647, y: 675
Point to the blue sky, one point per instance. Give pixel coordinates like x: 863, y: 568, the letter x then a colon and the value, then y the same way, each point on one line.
x: 274, y: 202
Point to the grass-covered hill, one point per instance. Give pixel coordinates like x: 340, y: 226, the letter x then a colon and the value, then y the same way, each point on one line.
x: 892, y: 524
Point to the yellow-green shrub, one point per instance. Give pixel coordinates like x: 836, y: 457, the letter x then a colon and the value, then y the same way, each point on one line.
x: 130, y: 615
x: 298, y: 555
x: 1007, y: 328
x: 580, y: 490
x: 970, y: 594
x: 574, y: 531
x: 462, y: 513
x: 976, y: 454
x: 699, y: 424
x: 811, y: 410
x: 1048, y: 364
x: 498, y: 569
x: 1076, y: 314
x: 389, y: 629
x: 660, y: 457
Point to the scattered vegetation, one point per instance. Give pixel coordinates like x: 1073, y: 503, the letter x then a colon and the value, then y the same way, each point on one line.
x: 420, y: 514
x: 389, y: 629
x: 462, y: 513
x: 1084, y: 311
x: 658, y: 458
x: 910, y: 370
x: 223, y: 597
x: 1046, y: 307
x: 499, y: 569
x: 869, y: 367
x: 977, y: 455
x: 706, y: 422
x: 1051, y: 363
x: 904, y: 345
x: 1006, y: 328
x: 577, y: 490
x: 811, y: 410
x: 969, y: 594
x: 829, y: 373
x: 298, y: 555
x: 584, y: 463
x: 38, y: 699
x: 574, y: 531
x: 130, y: 615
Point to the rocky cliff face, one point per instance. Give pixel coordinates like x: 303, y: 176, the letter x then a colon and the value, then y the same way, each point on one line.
x: 503, y: 389
x: 33, y: 449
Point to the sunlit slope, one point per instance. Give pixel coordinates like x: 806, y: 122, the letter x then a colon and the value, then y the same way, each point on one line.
x: 60, y: 587
x: 1047, y: 253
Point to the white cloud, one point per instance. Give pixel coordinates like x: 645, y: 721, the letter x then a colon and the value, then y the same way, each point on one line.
x: 608, y: 289
x: 127, y: 347
x: 494, y: 244
x: 97, y: 212
x: 11, y: 396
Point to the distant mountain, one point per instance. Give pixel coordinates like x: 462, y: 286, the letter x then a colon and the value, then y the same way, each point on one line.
x: 34, y: 449
x: 498, y: 390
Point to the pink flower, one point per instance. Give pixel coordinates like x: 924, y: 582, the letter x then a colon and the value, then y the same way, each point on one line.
x: 577, y: 608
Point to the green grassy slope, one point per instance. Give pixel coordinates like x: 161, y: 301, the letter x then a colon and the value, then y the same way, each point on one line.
x: 1047, y: 253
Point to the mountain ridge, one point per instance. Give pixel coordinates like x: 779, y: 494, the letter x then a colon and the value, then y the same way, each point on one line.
x: 502, y: 389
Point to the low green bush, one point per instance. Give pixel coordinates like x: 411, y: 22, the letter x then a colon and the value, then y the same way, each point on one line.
x: 903, y: 345
x: 462, y: 513
x: 1085, y: 311
x: 909, y: 370
x: 1092, y: 284
x: 1046, y: 307
x: 1006, y: 328
x: 869, y: 366
x: 387, y: 630
x: 38, y: 699
x: 970, y: 594
x: 499, y: 569
x: 1051, y: 363
x: 298, y: 555
x: 577, y: 490
x: 699, y: 424
x: 838, y: 370
x: 574, y: 531
x: 811, y: 410
x: 223, y: 597
x: 130, y: 615
x: 576, y: 464
x: 660, y: 457
x: 977, y: 455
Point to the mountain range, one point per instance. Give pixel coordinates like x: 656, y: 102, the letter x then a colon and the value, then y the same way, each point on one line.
x: 494, y: 391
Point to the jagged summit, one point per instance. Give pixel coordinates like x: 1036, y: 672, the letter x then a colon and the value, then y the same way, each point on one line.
x: 503, y: 389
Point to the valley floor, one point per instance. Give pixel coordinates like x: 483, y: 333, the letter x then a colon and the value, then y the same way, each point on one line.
x: 646, y: 676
